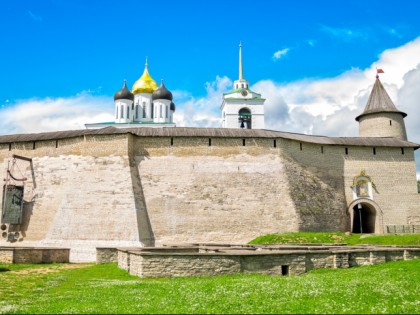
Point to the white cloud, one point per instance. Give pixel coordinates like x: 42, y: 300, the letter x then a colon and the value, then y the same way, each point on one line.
x: 280, y: 53
x: 311, y: 42
x: 35, y: 17
x: 52, y: 114
x: 344, y: 34
x: 203, y: 111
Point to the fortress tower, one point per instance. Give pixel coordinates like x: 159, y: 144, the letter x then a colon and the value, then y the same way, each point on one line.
x: 381, y: 118
x: 242, y: 108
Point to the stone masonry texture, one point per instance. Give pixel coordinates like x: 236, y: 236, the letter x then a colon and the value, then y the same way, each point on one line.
x: 125, y: 191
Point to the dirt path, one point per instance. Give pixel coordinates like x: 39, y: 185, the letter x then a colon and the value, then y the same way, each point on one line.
x: 49, y: 269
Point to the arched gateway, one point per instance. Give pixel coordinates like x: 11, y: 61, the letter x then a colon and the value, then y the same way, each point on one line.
x: 365, y: 216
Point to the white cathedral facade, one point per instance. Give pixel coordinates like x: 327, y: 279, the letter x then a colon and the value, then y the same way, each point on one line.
x: 148, y: 105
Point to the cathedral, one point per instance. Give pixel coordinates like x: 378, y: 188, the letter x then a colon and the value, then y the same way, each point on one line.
x: 146, y: 105
x: 133, y: 182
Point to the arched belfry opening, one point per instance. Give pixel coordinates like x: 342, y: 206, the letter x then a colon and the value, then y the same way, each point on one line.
x: 245, y: 118
x: 364, y: 218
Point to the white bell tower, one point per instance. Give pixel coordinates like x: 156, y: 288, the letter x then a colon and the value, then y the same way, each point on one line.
x: 242, y: 108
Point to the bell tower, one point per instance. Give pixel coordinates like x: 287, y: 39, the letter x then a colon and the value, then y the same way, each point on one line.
x: 242, y: 108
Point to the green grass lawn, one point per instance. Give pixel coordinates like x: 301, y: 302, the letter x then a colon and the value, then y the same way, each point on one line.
x: 386, y: 288
x: 321, y: 237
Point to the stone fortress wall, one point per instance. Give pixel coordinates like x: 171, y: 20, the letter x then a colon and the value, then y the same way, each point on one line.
x: 117, y: 190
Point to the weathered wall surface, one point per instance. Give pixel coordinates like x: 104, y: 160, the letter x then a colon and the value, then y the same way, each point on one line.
x: 394, y: 176
x: 78, y: 201
x: 393, y: 171
x: 193, y: 198
x: 123, y: 190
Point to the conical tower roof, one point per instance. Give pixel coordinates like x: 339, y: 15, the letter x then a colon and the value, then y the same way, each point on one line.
x: 379, y: 102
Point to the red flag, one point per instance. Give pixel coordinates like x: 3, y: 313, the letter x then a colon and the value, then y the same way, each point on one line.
x: 379, y: 71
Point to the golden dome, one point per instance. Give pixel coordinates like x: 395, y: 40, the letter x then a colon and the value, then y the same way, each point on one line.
x: 145, y: 84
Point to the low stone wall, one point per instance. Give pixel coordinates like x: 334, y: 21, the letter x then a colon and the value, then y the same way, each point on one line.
x: 291, y: 260
x: 106, y: 255
x: 34, y: 255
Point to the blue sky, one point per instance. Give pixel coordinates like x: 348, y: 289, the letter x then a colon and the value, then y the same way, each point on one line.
x: 59, y: 48
x: 61, y: 61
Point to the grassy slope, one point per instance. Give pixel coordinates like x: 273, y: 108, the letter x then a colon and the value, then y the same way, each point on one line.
x: 354, y: 239
x: 385, y: 288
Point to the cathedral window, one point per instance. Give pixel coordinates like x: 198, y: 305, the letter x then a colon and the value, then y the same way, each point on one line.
x: 144, y: 109
x: 116, y: 112
x: 128, y: 112
x: 160, y: 111
x: 166, y: 111
x: 122, y: 112
x: 155, y: 107
x: 137, y: 111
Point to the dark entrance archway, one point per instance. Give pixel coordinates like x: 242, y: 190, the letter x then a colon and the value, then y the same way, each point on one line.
x: 364, y: 218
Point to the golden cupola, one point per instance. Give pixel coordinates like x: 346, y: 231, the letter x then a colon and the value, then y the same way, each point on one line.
x: 145, y: 84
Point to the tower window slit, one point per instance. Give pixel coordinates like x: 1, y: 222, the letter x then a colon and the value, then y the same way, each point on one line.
x: 300, y: 146
x: 10, y: 147
x: 56, y: 144
x: 209, y: 142
x: 33, y: 146
x: 390, y: 122
x: 172, y: 141
x: 347, y: 151
x: 322, y: 149
x: 275, y: 143
x: 402, y: 151
x: 374, y: 151
x: 243, y: 142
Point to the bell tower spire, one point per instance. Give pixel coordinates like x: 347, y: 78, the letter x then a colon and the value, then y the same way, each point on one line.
x: 241, y: 75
